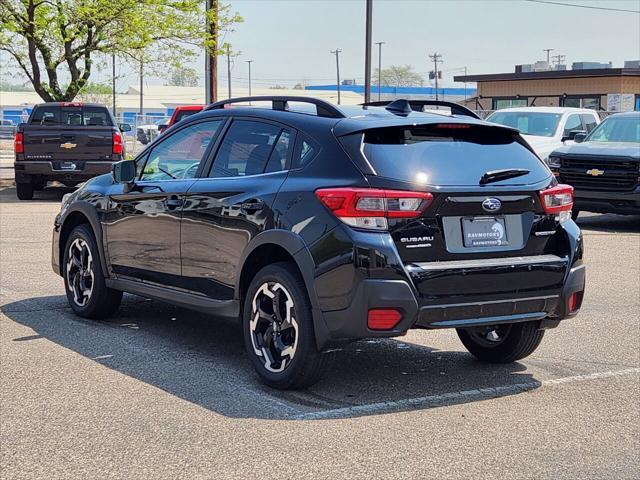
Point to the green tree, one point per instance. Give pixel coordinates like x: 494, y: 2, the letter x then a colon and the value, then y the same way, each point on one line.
x: 183, y: 77
x: 55, y: 42
x: 398, y: 76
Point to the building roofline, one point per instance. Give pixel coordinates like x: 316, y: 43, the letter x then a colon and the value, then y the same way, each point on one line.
x: 549, y: 74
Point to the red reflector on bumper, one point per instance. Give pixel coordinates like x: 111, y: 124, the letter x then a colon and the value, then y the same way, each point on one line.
x: 572, y: 303
x: 383, y: 318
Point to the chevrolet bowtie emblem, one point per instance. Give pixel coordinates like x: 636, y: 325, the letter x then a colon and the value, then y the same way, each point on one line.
x: 594, y: 172
x: 68, y: 145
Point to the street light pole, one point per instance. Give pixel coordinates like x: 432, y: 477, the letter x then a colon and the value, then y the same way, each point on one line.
x: 367, y: 52
x: 249, y: 63
x: 336, y: 52
x: 113, y: 81
x: 379, y: 67
x: 229, y: 69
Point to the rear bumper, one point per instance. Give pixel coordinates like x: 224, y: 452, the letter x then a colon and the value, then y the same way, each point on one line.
x: 26, y: 170
x: 608, y: 202
x: 546, y: 305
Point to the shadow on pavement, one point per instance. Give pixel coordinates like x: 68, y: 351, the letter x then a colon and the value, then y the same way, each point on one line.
x: 49, y: 194
x: 202, y: 360
x: 609, y: 222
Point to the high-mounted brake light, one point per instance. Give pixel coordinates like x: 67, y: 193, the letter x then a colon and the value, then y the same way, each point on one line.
x: 18, y: 143
x: 71, y: 104
x: 117, y: 144
x: 370, y: 208
x: 558, y: 200
x: 453, y: 125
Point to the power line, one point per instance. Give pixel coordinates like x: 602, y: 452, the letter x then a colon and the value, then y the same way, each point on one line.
x: 583, y: 6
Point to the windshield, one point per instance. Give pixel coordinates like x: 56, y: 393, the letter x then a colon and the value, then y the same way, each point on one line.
x: 617, y: 129
x: 528, y: 123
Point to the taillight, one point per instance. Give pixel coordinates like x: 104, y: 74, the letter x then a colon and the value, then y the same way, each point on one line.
x: 117, y: 144
x: 18, y: 142
x: 558, y: 200
x: 371, y: 207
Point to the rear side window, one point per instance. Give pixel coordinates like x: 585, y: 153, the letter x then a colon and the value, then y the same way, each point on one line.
x: 589, y: 122
x: 445, y: 156
x: 306, y: 151
x: 77, y: 116
x: 247, y: 148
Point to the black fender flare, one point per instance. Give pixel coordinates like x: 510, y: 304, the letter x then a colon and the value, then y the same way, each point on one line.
x: 90, y: 212
x: 297, y: 248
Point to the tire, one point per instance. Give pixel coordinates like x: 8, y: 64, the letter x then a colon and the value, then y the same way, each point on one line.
x: 24, y: 191
x: 281, y: 341
x: 82, y: 273
x: 574, y: 214
x: 514, y: 341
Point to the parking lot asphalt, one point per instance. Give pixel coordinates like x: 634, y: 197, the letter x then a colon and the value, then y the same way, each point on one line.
x: 161, y: 392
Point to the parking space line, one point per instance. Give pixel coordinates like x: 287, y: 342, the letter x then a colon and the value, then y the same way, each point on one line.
x: 456, y: 397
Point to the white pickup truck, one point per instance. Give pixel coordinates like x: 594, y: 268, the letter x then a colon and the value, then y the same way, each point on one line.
x: 547, y: 128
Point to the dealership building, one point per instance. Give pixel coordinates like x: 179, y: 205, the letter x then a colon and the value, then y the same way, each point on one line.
x: 610, y: 89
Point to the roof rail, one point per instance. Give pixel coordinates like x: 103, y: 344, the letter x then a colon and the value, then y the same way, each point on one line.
x: 402, y: 106
x: 280, y: 102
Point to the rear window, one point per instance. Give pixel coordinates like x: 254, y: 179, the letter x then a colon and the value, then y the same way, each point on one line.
x: 77, y: 116
x: 440, y: 155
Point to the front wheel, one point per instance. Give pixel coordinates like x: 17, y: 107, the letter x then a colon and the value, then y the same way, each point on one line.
x: 87, y: 292
x: 278, y: 329
x: 502, y: 343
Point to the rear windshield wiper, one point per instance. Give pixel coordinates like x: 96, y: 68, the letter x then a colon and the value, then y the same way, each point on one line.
x: 497, y: 175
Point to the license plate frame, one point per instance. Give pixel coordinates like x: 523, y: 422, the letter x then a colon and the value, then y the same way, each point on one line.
x: 68, y: 166
x: 484, y: 232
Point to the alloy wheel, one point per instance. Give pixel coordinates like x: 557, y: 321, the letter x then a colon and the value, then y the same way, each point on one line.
x: 80, y: 279
x: 273, y: 327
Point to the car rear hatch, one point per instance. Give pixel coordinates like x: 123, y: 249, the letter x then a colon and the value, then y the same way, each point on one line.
x: 485, y: 229
x: 74, y: 133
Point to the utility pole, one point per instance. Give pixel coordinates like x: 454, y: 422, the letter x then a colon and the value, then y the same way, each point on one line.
x: 336, y: 52
x: 367, y: 52
x: 141, y: 87
x: 435, y: 58
x: 559, y: 59
x: 229, y: 69
x: 465, y: 85
x: 548, y: 50
x: 211, y: 58
x: 379, y: 67
x: 113, y: 81
x: 249, y: 63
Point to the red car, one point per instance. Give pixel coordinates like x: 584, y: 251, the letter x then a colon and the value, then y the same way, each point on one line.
x: 180, y: 113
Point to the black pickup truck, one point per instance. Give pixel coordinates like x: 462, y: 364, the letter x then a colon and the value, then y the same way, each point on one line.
x: 66, y: 142
x: 603, y: 167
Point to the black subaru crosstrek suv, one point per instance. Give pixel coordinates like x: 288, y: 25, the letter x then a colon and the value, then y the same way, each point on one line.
x: 317, y: 225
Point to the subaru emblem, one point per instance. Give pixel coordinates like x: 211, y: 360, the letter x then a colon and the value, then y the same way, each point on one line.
x: 491, y: 204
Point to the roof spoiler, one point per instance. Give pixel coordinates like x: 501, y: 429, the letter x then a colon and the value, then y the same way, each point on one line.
x: 281, y: 103
x: 404, y: 107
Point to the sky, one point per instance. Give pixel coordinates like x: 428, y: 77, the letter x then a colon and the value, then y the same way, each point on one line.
x: 289, y: 41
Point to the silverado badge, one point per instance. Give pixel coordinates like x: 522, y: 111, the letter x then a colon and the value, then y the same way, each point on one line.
x: 68, y: 145
x: 594, y: 172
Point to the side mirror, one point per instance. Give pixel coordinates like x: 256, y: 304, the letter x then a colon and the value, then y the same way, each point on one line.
x: 124, y: 171
x: 124, y: 127
x: 572, y: 135
x: 579, y: 137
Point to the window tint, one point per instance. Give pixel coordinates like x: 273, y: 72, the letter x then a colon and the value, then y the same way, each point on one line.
x: 246, y: 149
x: 573, y: 123
x: 71, y: 115
x: 589, y: 122
x: 305, y: 152
x: 278, y: 159
x: 509, y: 102
x: 179, y: 156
